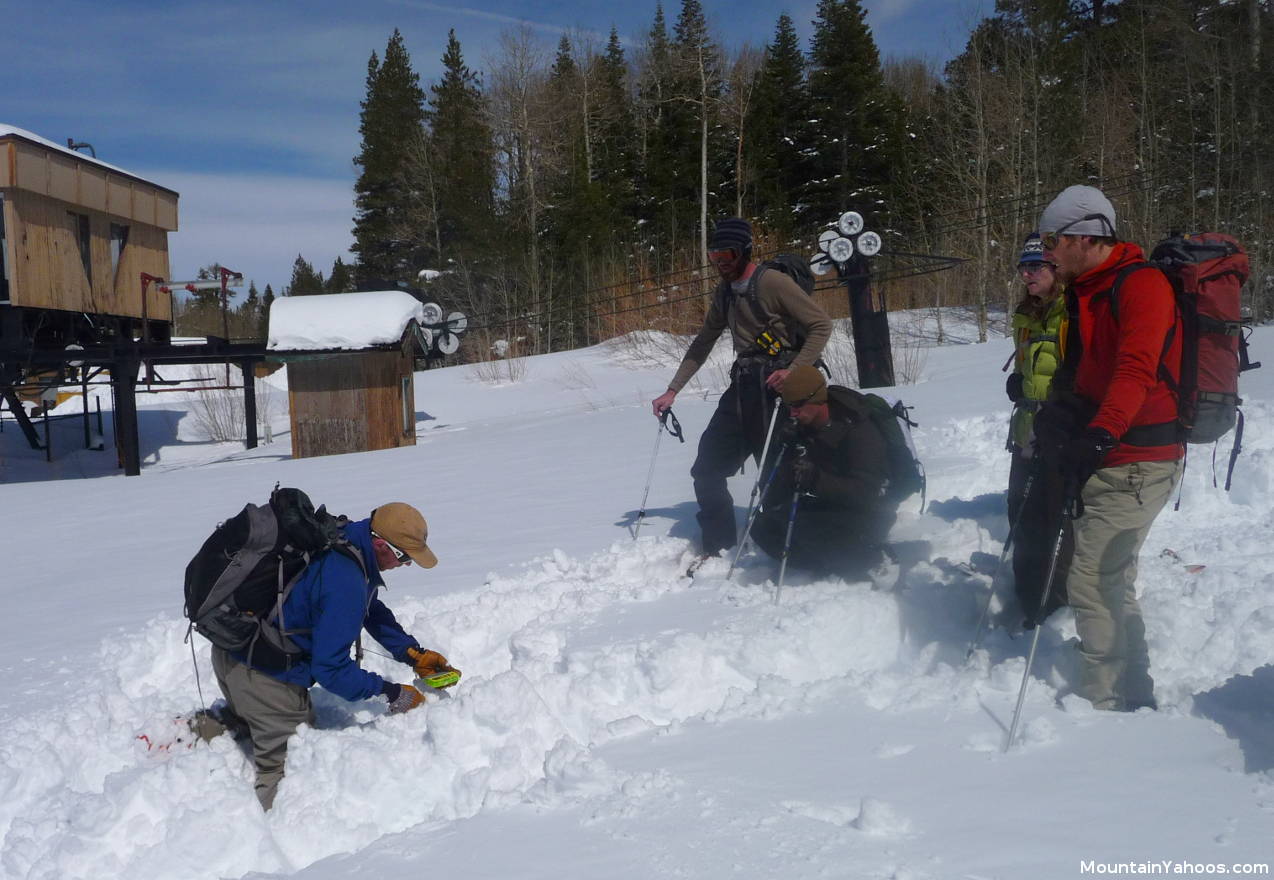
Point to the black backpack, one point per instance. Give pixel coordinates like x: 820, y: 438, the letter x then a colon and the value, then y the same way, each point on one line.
x: 893, y: 421
x: 238, y: 581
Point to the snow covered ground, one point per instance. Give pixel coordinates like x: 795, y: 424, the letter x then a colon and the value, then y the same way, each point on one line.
x: 616, y: 719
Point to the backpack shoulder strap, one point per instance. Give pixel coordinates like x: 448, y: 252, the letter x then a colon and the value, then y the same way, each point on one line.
x: 1119, y: 283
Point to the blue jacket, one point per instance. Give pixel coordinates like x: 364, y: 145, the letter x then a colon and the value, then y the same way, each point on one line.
x: 333, y: 601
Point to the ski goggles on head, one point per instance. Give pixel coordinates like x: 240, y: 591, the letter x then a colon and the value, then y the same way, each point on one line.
x: 403, y: 558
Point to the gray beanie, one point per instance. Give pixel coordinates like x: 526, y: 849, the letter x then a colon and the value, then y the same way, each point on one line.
x: 1079, y: 210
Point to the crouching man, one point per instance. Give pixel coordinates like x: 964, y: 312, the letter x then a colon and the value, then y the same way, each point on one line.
x: 835, y: 458
x: 332, y: 602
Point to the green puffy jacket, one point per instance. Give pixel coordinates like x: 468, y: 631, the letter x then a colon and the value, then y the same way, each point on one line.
x: 1039, y: 335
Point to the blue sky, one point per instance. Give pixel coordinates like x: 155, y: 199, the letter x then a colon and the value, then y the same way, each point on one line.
x: 249, y: 108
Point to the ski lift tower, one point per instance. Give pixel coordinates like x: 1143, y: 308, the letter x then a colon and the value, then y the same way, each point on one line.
x: 850, y: 247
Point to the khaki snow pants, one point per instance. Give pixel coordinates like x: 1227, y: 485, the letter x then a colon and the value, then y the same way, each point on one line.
x: 1120, y: 504
x: 272, y: 709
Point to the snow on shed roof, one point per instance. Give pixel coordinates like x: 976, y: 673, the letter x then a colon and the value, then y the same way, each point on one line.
x: 347, y: 321
x: 12, y: 130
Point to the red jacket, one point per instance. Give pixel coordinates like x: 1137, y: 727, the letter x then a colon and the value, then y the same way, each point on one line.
x: 1119, y: 366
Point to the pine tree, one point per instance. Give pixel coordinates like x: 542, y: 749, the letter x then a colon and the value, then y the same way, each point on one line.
x: 779, y: 128
x: 464, y: 157
x: 615, y: 158
x: 392, y: 116
x: 249, y: 312
x: 305, y: 281
x: 697, y: 92
x: 660, y: 156
x: 856, y: 118
x: 267, y: 299
x: 341, y: 279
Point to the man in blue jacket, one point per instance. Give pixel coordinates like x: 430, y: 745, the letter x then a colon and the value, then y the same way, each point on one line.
x: 334, y: 600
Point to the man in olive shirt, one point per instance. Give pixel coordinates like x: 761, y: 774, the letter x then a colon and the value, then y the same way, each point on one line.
x: 767, y: 314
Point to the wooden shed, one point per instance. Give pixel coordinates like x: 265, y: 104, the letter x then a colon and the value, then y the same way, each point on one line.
x: 76, y: 234
x: 350, y: 359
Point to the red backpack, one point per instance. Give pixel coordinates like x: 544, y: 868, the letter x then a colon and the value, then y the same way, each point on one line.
x: 1207, y: 271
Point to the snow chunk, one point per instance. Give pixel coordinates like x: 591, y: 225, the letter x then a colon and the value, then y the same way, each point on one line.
x: 341, y: 320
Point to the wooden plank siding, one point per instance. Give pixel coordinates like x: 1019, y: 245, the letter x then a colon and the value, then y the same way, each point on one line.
x: 350, y: 402
x: 47, y: 270
x: 42, y: 188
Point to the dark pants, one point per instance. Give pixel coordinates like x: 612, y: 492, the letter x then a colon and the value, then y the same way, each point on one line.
x: 825, y: 540
x: 735, y: 431
x: 1036, y: 536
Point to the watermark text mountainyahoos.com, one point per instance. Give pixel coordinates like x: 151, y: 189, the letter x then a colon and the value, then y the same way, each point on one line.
x: 1172, y: 868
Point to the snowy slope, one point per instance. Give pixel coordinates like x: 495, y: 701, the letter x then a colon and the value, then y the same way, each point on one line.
x: 616, y: 719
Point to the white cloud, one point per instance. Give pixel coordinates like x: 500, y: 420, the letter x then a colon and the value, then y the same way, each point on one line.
x: 257, y: 224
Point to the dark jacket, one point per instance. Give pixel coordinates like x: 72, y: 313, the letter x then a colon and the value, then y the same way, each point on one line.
x: 333, y: 601
x: 850, y: 462
x: 781, y: 307
x: 1115, y: 364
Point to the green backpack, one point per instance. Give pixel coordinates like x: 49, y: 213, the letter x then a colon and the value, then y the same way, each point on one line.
x: 892, y: 419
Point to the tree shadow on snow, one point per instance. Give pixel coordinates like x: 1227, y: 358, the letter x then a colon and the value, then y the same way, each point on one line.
x: 1244, y: 707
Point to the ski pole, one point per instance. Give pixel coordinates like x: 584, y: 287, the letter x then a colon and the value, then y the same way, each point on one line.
x: 752, y: 515
x: 1035, y: 640
x: 791, y: 524
x: 787, y: 543
x: 675, y: 431
x: 1008, y: 543
x: 765, y: 451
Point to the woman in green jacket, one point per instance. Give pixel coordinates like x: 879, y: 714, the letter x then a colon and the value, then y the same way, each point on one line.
x: 1035, y: 495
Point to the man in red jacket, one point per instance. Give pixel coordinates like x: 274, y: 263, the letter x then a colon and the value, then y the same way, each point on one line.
x: 1110, y: 426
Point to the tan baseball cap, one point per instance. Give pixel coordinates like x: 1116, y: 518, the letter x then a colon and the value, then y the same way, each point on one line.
x: 403, y: 526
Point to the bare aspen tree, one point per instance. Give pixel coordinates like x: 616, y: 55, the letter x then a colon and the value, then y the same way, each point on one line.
x: 740, y: 85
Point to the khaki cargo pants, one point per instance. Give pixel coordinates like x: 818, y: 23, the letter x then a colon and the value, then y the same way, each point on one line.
x: 272, y: 709
x: 1120, y: 504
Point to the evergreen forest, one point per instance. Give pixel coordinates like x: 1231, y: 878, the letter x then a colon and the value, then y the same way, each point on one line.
x: 563, y: 194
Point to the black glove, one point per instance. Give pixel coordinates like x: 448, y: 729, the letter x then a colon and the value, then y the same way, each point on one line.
x: 1013, y: 387
x: 1083, y: 455
x: 1055, y: 426
x: 803, y: 471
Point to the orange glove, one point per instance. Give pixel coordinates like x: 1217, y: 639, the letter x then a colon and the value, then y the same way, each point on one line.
x: 408, y: 698
x: 426, y: 663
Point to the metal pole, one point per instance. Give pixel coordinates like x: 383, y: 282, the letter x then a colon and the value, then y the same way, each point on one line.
x: 870, y: 326
x: 765, y: 453
x: 124, y: 385
x: 650, y: 476
x: 747, y: 530
x: 787, y: 543
x: 101, y: 429
x: 249, y: 401
x: 1035, y: 640
x: 84, y: 408
x: 48, y: 433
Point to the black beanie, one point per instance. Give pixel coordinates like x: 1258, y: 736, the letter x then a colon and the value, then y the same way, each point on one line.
x: 732, y: 232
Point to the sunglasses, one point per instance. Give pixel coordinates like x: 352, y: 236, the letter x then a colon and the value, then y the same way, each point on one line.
x: 1051, y: 239
x: 403, y: 558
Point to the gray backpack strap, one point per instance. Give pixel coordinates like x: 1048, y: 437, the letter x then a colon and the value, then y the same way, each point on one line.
x: 263, y: 532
